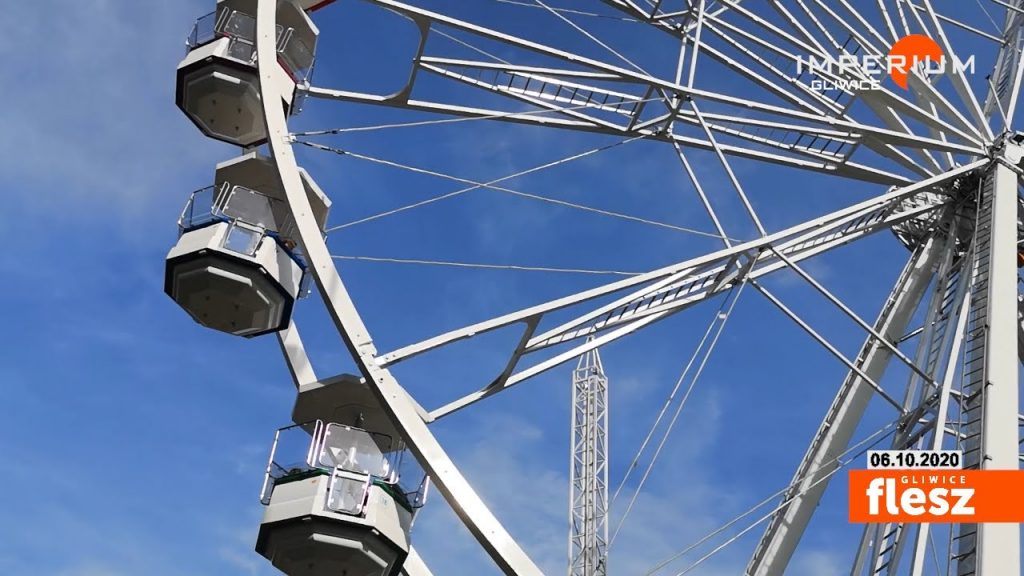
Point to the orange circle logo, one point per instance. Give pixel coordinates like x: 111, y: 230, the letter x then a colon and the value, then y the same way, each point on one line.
x: 907, y: 52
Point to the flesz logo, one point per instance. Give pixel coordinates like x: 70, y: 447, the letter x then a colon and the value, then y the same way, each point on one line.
x: 936, y: 496
x: 910, y: 50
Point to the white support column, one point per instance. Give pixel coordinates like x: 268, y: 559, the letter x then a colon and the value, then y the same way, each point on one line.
x: 295, y: 355
x: 468, y: 506
x: 414, y: 565
x: 991, y: 403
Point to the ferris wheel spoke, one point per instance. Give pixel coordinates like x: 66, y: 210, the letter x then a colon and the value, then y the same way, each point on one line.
x: 930, y: 98
x: 856, y: 34
x: 632, y: 106
x: 902, y: 158
x: 969, y: 28
x: 634, y: 9
x: 702, y: 352
x: 797, y: 25
x: 660, y: 293
x: 669, y: 21
x: 728, y: 170
x: 781, y: 90
x: 573, y: 11
x: 905, y: 23
x: 787, y: 525
x: 928, y: 117
x: 895, y: 122
x: 1012, y: 7
x: 929, y: 378
x: 812, y: 48
x: 716, y: 25
x: 939, y: 346
x: 827, y: 345
x: 699, y: 189
x: 1004, y: 87
x: 484, y: 266
x: 633, y: 312
x: 957, y: 76
x: 840, y: 462
x: 648, y: 130
x: 921, y: 114
x: 581, y: 98
x: 492, y: 185
x: 590, y: 36
x: 917, y: 18
x: 890, y: 25
x: 713, y: 22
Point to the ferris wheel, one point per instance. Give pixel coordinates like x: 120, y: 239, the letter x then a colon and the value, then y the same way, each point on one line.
x: 913, y: 103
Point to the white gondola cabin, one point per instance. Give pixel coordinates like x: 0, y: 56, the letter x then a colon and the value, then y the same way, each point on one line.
x: 341, y: 498
x: 236, y: 266
x: 218, y: 86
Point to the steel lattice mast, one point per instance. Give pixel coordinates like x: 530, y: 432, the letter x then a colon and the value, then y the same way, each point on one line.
x: 588, y: 481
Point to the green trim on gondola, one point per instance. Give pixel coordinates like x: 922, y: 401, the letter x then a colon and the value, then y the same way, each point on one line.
x: 392, y: 490
x: 301, y: 475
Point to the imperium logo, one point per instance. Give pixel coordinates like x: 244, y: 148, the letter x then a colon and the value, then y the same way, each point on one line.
x: 866, y: 72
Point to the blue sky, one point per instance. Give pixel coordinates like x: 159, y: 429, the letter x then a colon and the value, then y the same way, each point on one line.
x: 134, y: 440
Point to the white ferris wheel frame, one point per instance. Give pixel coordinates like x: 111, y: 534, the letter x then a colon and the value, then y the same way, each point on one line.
x: 652, y: 296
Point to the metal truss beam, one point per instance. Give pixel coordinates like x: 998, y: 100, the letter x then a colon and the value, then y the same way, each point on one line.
x: 666, y: 291
x: 650, y: 130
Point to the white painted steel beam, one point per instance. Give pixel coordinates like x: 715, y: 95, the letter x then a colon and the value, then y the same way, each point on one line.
x: 846, y: 169
x: 414, y: 565
x: 294, y: 352
x: 992, y: 401
x: 655, y: 295
x: 806, y: 234
x: 918, y: 560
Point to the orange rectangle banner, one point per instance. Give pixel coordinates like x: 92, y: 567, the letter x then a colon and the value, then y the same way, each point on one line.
x: 936, y: 496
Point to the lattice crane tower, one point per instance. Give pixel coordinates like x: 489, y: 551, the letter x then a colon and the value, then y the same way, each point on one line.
x: 588, y: 470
